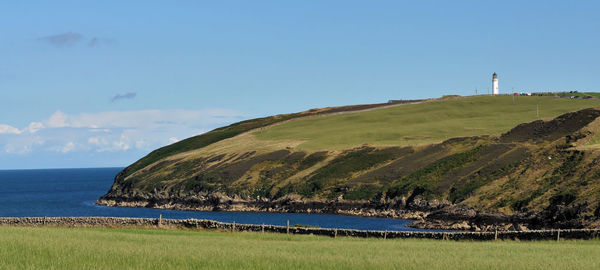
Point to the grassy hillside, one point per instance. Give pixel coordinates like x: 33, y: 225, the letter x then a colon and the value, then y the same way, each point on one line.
x: 232, y: 130
x: 399, y: 125
x: 423, y: 123
x: 489, y: 153
x: 93, y: 248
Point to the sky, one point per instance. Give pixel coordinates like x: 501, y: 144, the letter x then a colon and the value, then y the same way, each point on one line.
x: 103, y: 83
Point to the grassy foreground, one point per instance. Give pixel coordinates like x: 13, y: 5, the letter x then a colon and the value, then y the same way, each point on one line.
x: 102, y: 248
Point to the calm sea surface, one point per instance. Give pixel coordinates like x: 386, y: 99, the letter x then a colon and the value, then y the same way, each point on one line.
x: 72, y: 192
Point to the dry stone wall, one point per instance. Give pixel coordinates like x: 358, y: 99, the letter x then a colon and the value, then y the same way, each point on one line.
x: 215, y: 225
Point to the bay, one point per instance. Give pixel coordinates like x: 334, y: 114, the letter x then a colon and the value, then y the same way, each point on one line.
x: 72, y: 192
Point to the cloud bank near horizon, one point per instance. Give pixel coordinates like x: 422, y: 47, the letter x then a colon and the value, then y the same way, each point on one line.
x: 110, y: 131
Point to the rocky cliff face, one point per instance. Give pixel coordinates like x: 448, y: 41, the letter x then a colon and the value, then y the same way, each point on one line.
x: 537, y: 175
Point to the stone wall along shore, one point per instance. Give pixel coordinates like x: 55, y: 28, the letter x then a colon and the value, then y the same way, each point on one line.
x: 109, y: 222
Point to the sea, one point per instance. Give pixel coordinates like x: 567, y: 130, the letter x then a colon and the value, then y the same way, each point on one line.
x: 72, y: 193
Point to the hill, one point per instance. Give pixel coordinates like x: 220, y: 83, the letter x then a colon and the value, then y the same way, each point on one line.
x: 464, y: 163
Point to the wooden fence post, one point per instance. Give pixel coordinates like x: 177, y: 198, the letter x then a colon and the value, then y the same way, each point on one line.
x: 262, y: 228
x: 287, y: 227
x: 558, y: 235
x: 334, y: 233
x: 233, y: 227
x: 159, y: 220
x: 496, y: 235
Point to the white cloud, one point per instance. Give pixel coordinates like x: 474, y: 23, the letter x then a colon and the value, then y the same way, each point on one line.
x: 17, y: 149
x: 100, y: 130
x: 70, y: 146
x: 35, y: 127
x: 94, y: 140
x: 32, y: 128
x: 56, y: 120
x: 114, y: 131
x: 6, y: 129
x: 103, y: 121
x: 122, y: 143
x: 22, y: 144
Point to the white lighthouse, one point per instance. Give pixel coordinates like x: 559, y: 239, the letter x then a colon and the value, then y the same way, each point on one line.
x: 495, y: 89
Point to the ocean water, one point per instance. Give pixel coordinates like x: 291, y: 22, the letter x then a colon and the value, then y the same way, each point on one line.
x: 72, y: 192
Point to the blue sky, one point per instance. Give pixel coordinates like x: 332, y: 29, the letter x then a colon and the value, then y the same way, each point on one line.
x: 102, y: 83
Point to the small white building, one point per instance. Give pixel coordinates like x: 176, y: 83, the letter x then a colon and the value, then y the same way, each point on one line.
x: 495, y: 89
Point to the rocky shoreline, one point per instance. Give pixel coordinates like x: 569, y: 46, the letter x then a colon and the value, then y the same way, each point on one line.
x: 426, y: 215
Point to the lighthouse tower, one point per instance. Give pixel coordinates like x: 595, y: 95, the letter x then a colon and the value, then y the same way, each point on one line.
x: 495, y: 90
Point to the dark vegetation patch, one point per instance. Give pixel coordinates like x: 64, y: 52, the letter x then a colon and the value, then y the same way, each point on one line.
x: 273, y: 173
x: 490, y: 167
x: 512, y: 156
x: 232, y: 172
x: 425, y: 179
x: 408, y: 162
x: 575, y: 137
x: 521, y: 204
x: 345, y: 165
x: 363, y: 192
x: 202, y: 183
x: 145, y: 183
x: 464, y: 189
x: 221, y: 178
x: 263, y: 188
x: 568, y: 167
x: 566, y: 170
x: 565, y: 197
x: 186, y: 168
x: 511, y: 183
x: 561, y: 126
x: 485, y: 158
x: 288, y: 188
x: 312, y: 160
x: 278, y: 166
x: 216, y: 158
x: 162, y: 165
x: 245, y: 155
x: 295, y: 157
x: 228, y: 159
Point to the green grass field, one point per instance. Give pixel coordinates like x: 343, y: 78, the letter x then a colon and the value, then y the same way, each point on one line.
x: 423, y: 123
x: 102, y: 248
